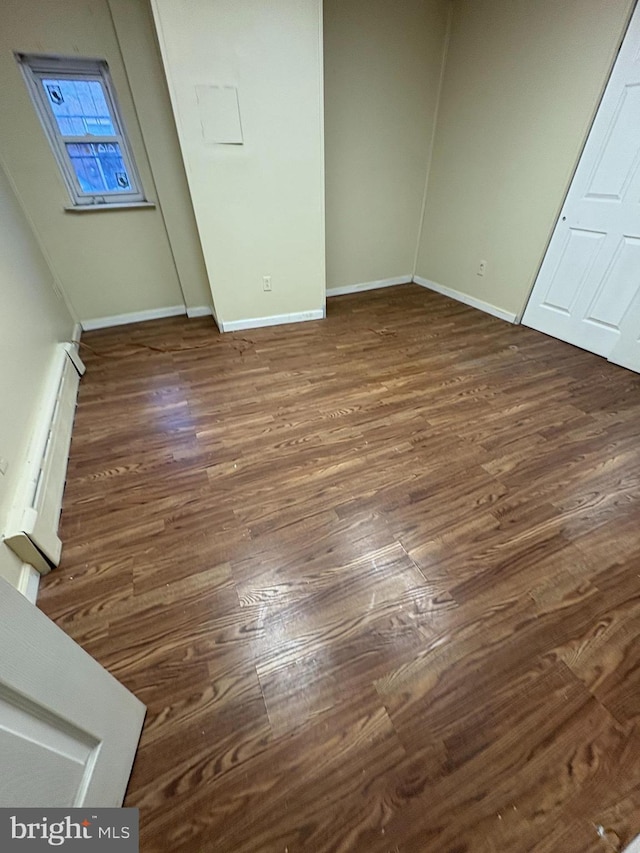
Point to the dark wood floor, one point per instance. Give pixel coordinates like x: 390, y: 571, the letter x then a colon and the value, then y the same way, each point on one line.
x: 377, y: 579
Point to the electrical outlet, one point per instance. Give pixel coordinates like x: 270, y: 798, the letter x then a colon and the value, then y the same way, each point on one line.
x: 482, y: 267
x: 266, y: 283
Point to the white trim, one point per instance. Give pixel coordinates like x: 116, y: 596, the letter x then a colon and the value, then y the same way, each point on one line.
x: 275, y: 320
x: 76, y: 335
x: 28, y: 582
x: 199, y: 311
x: 133, y: 317
x: 95, y: 208
x: 465, y: 298
x: 368, y: 285
x: 634, y: 846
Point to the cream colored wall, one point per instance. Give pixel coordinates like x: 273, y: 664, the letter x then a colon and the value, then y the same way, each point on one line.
x: 32, y: 320
x: 110, y: 262
x: 135, y: 30
x: 259, y: 206
x: 382, y: 70
x: 522, y: 82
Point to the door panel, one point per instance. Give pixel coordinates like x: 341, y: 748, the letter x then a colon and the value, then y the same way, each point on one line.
x: 577, y: 254
x: 618, y: 286
x: 618, y: 157
x: 68, y: 729
x: 29, y: 736
x: 590, y: 276
x: 627, y: 350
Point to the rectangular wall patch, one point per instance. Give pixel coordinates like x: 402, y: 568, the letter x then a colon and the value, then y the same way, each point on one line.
x: 219, y: 110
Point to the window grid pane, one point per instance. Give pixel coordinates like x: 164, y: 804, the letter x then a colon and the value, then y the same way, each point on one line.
x: 99, y: 168
x: 79, y: 107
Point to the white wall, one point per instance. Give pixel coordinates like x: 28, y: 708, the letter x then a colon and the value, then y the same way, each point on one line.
x: 109, y: 262
x: 258, y: 206
x: 522, y: 82
x: 32, y: 320
x: 383, y: 63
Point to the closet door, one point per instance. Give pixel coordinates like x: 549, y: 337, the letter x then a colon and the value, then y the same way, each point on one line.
x: 589, y: 282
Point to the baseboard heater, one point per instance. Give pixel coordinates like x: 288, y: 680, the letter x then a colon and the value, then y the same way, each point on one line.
x: 32, y: 531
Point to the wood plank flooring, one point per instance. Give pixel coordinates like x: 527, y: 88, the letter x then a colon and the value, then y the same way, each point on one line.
x: 377, y: 579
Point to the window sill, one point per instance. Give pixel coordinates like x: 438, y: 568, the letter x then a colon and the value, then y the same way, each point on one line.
x: 96, y: 208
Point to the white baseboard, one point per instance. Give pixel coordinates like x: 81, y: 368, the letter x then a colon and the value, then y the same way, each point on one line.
x: 134, y: 317
x: 368, y: 285
x: 77, y: 333
x: 466, y: 299
x: 275, y: 320
x: 199, y: 311
x: 29, y: 582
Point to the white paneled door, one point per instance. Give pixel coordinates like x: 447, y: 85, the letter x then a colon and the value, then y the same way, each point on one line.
x: 588, y: 288
x: 68, y: 730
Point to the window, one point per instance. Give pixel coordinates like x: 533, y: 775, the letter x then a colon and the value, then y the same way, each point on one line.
x: 76, y: 104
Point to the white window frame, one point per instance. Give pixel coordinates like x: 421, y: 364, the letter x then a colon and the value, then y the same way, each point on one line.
x: 35, y: 68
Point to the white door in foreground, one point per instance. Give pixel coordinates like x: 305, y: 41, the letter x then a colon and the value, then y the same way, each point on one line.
x: 590, y: 276
x: 68, y: 729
